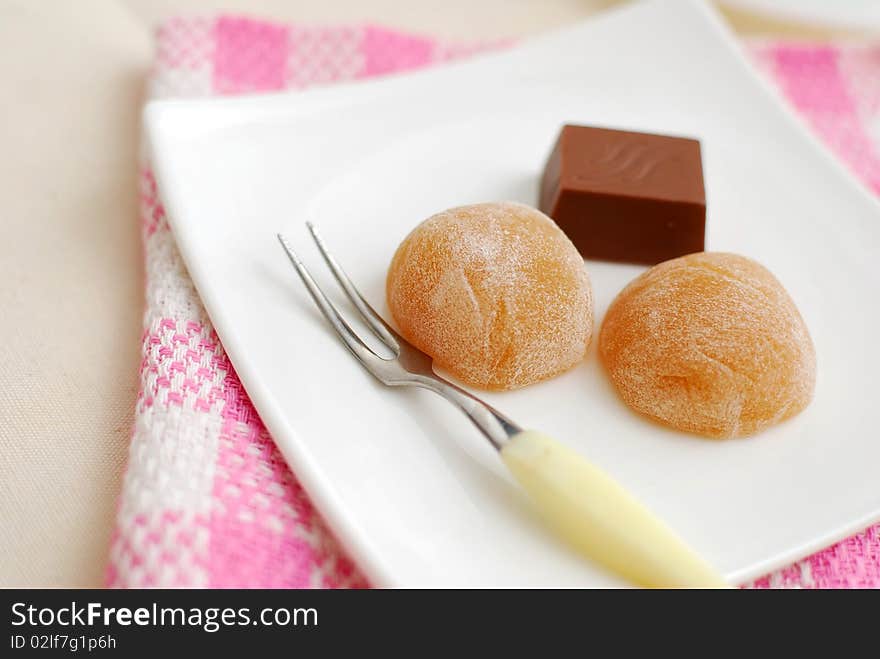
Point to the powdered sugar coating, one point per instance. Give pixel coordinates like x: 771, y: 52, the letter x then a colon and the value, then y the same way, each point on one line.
x: 494, y: 292
x: 709, y: 343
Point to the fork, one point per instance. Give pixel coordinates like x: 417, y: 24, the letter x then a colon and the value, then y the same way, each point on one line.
x: 585, y: 506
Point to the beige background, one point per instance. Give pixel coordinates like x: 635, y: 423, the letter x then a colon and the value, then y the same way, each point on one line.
x: 70, y: 257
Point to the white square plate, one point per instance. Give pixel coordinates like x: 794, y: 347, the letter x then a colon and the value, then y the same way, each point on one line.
x: 413, y: 492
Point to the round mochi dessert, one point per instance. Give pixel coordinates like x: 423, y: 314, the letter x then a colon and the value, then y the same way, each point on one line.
x: 494, y: 292
x: 709, y: 343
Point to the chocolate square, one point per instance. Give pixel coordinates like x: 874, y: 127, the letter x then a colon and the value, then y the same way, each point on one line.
x: 624, y: 196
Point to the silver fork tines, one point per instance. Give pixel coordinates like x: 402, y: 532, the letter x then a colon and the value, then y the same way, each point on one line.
x: 410, y: 366
x: 343, y: 329
x: 374, y: 320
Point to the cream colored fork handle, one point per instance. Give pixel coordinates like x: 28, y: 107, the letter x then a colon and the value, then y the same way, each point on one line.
x: 601, y: 519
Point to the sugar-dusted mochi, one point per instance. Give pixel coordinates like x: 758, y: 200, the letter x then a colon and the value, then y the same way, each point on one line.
x: 494, y: 292
x: 709, y: 343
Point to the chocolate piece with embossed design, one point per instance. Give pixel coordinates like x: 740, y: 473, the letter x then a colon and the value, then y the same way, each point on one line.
x: 624, y: 196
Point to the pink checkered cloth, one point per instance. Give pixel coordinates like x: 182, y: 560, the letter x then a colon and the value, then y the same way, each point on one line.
x: 207, y: 499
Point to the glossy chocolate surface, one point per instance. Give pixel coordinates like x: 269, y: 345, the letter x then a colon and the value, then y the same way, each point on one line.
x: 625, y: 196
